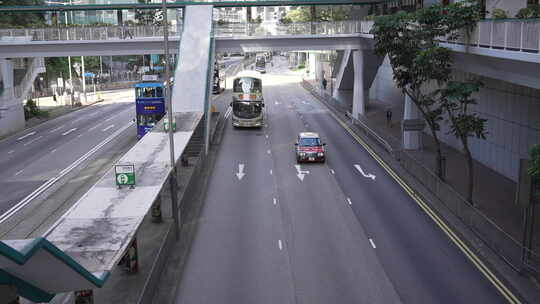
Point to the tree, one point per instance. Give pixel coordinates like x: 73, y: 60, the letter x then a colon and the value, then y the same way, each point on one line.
x: 22, y: 20
x: 456, y: 99
x: 417, y: 59
x: 148, y: 16
x: 317, y: 14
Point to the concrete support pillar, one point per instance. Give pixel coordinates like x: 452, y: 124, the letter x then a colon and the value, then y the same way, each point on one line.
x: 411, y: 139
x: 312, y: 61
x: 360, y: 93
x: 319, y: 69
x: 6, y: 71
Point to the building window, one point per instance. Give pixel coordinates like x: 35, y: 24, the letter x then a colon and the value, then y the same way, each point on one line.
x: 532, y: 2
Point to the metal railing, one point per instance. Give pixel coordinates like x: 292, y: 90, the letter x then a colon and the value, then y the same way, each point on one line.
x: 509, y: 34
x: 503, y: 244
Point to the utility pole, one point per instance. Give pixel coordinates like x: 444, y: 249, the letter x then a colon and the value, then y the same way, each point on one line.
x: 83, y: 79
x: 168, y: 93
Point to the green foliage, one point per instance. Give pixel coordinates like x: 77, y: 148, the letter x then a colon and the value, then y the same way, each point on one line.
x: 534, y: 164
x: 322, y: 13
x: 533, y: 11
x: 257, y: 20
x: 301, y: 66
x: 410, y: 40
x: 31, y: 110
x: 21, y: 20
x: 499, y: 14
x: 149, y: 16
x: 456, y: 99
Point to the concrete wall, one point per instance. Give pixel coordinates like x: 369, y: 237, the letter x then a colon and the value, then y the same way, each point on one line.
x: 383, y: 87
x: 513, y: 114
x: 513, y: 126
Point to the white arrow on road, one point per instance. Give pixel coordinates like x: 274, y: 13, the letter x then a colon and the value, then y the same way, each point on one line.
x: 300, y: 173
x: 364, y: 174
x: 240, y: 173
x: 29, y: 134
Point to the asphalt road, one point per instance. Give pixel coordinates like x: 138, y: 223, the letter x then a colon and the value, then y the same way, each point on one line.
x: 340, y: 232
x: 30, y: 158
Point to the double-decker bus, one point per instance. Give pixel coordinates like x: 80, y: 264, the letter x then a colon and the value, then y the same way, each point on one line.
x: 248, y: 102
x: 149, y: 103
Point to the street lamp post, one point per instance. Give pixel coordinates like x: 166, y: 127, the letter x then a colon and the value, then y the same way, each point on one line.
x: 168, y: 93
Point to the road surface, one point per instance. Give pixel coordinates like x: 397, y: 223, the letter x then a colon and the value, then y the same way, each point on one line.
x: 339, y: 232
x: 30, y: 158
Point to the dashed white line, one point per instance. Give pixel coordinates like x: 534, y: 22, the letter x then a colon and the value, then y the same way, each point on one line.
x: 80, y: 135
x: 372, y: 244
x: 53, y: 150
x: 25, y: 136
x: 349, y: 201
x: 332, y: 171
x: 33, y: 140
x: 271, y: 172
x: 108, y: 128
x: 93, y: 128
x: 18, y: 172
x: 275, y: 201
x: 268, y: 152
x: 110, y: 118
x: 280, y: 245
x: 56, y: 129
x: 266, y: 136
x: 11, y: 151
x: 69, y: 131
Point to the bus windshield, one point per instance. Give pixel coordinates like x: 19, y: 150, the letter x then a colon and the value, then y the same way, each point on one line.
x: 247, y: 85
x: 247, y: 109
x: 149, y: 92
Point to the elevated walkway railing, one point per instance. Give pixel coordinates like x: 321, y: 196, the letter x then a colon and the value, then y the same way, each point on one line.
x: 509, y: 34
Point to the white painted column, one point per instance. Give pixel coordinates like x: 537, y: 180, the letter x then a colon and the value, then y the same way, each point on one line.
x: 360, y: 93
x: 6, y: 69
x: 411, y: 139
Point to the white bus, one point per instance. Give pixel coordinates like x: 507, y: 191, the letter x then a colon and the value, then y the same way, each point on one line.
x: 248, y: 102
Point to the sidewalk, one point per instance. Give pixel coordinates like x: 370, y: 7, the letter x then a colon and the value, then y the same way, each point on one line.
x: 494, y: 194
x: 63, y: 106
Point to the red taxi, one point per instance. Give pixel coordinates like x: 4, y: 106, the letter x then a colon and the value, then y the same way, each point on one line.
x: 309, y: 148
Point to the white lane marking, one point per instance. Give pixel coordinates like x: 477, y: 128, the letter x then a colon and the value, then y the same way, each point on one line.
x: 332, y: 171
x: 268, y: 151
x: 349, y: 201
x: 275, y: 201
x: 108, y: 128
x: 270, y: 171
x: 53, y: 150
x: 266, y: 136
x: 372, y: 244
x: 300, y: 173
x: 25, y: 201
x: 25, y: 136
x: 111, y: 118
x: 364, y: 174
x: 94, y: 127
x: 33, y: 140
x: 80, y: 135
x: 69, y: 131
x: 277, y: 103
x: 56, y: 129
x: 240, y: 173
x: 18, y: 172
x: 11, y: 151
x: 280, y: 245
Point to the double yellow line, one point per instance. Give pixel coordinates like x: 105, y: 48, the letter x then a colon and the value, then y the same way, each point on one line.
x: 505, y: 292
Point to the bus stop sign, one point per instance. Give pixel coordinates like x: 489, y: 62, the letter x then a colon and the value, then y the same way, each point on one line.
x: 124, y: 175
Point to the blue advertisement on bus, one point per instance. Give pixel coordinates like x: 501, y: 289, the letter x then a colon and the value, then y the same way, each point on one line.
x: 149, y: 105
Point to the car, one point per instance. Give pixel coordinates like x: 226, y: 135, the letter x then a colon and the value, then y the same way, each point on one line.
x: 310, y: 148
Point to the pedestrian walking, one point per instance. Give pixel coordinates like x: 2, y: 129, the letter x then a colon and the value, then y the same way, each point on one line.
x: 389, y: 117
x: 324, y: 83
